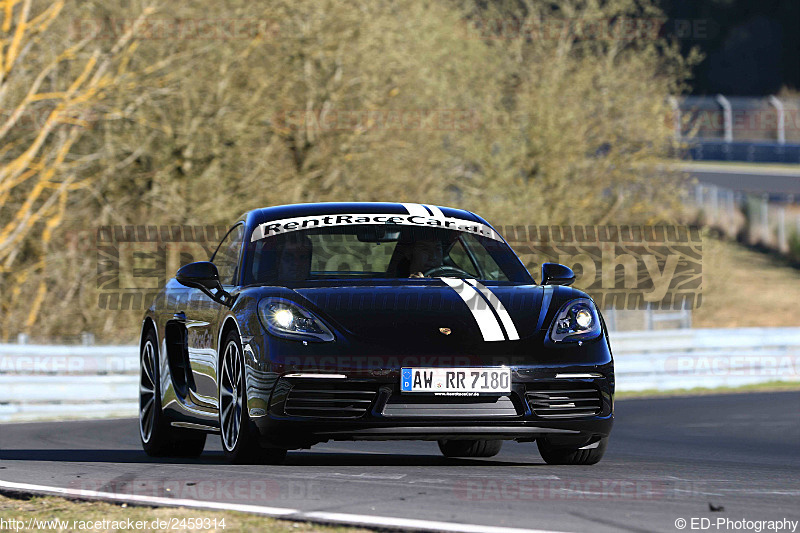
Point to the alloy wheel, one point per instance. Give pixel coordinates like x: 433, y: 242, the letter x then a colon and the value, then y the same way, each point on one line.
x: 147, y: 391
x: 231, y: 396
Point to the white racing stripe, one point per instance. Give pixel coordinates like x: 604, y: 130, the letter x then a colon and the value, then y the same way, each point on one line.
x: 547, y: 296
x: 495, y: 302
x: 437, y: 213
x: 488, y: 324
x: 424, y: 210
x: 416, y: 210
x: 388, y: 522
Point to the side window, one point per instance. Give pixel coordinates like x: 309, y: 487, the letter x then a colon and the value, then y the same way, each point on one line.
x: 226, y: 258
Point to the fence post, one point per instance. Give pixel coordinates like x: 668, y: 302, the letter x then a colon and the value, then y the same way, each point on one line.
x: 610, y: 317
x: 731, y: 230
x: 714, y: 190
x: 765, y: 236
x: 781, y: 127
x: 676, y: 117
x: 783, y: 243
x: 727, y: 115
x: 686, y: 319
x: 648, y: 318
x: 797, y: 224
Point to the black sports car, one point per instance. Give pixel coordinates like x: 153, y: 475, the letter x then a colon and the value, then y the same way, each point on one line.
x: 376, y: 321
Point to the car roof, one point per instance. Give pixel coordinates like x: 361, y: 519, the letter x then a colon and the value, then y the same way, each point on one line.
x: 279, y: 212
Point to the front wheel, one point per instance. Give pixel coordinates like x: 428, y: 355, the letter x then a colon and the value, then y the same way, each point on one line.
x: 158, y: 437
x: 239, y: 436
x: 559, y: 455
x: 470, y: 448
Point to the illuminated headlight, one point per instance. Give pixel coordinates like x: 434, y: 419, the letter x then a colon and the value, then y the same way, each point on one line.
x: 283, y: 317
x: 288, y: 320
x: 584, y: 318
x: 577, y: 320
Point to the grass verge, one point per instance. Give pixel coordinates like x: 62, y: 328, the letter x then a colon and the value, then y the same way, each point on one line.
x: 745, y: 288
x: 69, y: 514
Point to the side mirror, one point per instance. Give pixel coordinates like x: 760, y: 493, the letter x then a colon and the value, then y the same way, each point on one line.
x: 557, y: 274
x: 203, y: 275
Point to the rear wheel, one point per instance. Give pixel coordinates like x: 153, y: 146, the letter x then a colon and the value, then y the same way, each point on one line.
x: 560, y: 455
x: 470, y: 448
x: 158, y: 438
x: 239, y: 435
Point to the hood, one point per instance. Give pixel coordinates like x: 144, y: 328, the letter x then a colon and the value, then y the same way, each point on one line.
x: 433, y: 314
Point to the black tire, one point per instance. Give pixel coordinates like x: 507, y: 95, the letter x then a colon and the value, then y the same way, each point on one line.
x: 559, y: 455
x: 239, y: 436
x: 158, y: 437
x: 470, y: 448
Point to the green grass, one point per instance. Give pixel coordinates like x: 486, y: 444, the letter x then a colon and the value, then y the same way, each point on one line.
x: 770, y: 386
x: 742, y: 288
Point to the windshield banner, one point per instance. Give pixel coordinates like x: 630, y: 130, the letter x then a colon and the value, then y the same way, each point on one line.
x: 278, y: 227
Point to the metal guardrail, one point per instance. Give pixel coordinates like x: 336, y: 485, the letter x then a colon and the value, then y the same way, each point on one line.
x: 729, y: 118
x: 727, y: 128
x: 712, y: 358
x: 38, y: 381
x: 44, y: 381
x: 742, y: 151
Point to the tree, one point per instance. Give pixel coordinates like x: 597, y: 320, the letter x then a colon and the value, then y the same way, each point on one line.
x: 48, y: 91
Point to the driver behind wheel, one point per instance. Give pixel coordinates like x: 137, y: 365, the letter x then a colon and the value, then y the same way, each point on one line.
x: 414, y: 256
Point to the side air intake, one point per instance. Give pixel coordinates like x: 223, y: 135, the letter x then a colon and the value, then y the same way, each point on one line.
x: 313, y: 398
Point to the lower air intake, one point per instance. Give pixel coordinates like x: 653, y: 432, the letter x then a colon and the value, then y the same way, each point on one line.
x: 329, y: 400
x: 564, y: 400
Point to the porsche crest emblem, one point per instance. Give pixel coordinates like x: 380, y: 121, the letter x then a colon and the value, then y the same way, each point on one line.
x: 445, y: 331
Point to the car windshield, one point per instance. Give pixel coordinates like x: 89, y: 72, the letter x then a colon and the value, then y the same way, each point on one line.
x: 380, y: 251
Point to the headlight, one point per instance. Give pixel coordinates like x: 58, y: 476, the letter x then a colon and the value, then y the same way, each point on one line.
x: 577, y: 320
x: 288, y: 320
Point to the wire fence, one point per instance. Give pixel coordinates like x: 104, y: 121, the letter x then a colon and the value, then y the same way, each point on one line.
x: 751, y: 219
x: 722, y: 128
x: 734, y: 119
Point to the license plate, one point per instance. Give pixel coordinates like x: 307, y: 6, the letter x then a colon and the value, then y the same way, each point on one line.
x: 455, y: 380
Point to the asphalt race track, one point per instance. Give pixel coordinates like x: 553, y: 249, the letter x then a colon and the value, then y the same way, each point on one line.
x: 668, y: 459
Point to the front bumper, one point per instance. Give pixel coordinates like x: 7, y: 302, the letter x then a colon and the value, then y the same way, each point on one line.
x: 572, y: 404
